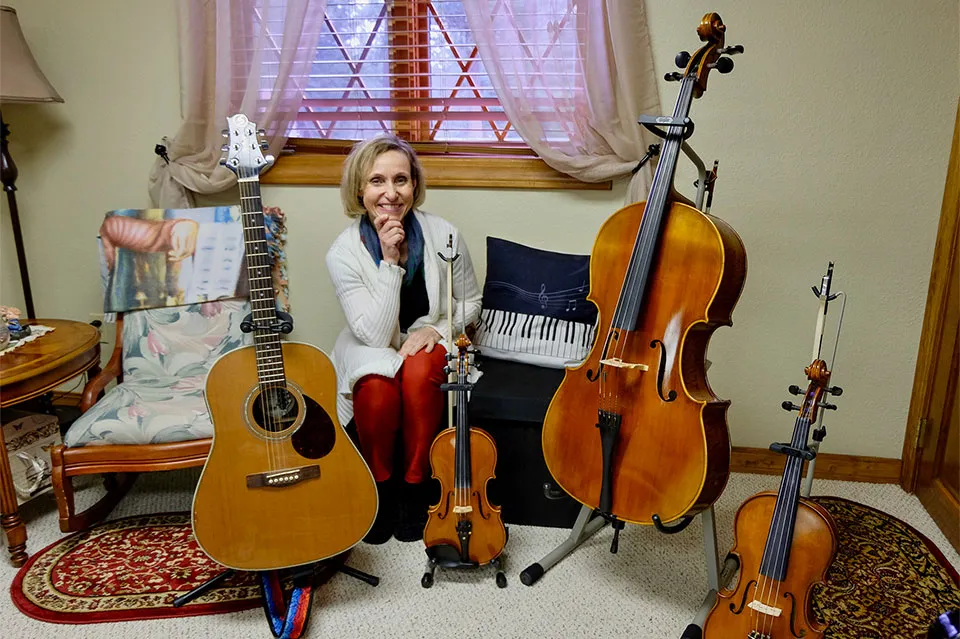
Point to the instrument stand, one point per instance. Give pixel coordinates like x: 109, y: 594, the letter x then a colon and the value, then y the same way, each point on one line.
x: 448, y: 557
x: 215, y: 581
x: 587, y: 524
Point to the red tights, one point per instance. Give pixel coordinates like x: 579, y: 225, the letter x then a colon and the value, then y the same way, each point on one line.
x: 411, y: 403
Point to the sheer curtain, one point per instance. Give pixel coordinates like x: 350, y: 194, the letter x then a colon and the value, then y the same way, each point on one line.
x: 573, y: 77
x: 236, y: 56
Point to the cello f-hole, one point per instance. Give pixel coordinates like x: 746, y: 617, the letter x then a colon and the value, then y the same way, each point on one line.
x: 672, y: 395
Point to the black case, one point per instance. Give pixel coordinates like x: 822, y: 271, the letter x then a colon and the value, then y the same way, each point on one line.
x: 509, y: 402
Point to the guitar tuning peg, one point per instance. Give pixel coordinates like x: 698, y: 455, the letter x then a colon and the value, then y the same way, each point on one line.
x: 262, y: 132
x: 264, y: 146
x: 225, y: 133
x: 269, y: 159
x: 224, y: 148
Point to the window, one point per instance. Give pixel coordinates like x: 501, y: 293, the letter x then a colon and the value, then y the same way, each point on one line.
x: 409, y: 67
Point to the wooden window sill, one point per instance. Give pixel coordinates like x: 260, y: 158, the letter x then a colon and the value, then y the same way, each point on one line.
x: 502, y: 171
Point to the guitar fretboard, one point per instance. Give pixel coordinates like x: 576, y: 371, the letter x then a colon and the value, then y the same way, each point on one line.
x: 263, y: 304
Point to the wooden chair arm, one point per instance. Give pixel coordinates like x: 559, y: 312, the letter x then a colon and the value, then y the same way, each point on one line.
x: 113, y: 370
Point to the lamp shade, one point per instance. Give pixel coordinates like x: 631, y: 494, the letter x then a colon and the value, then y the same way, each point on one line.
x: 21, y: 79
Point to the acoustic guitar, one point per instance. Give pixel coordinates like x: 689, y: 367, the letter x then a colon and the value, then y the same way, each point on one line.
x: 283, y: 485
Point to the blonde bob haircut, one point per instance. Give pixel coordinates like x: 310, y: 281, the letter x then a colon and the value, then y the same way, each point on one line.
x: 358, y: 164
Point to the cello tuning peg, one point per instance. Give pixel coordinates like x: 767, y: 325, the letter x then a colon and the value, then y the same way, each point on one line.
x: 795, y: 390
x: 673, y: 77
x: 835, y: 391
x: 826, y: 406
x: 789, y: 406
x: 731, y: 50
x: 682, y: 59
x: 722, y: 65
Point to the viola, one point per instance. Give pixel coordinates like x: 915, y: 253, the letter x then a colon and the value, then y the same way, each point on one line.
x: 463, y: 529
x: 785, y: 543
x: 635, y: 431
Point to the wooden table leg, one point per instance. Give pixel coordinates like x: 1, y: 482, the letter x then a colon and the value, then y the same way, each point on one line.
x: 9, y: 511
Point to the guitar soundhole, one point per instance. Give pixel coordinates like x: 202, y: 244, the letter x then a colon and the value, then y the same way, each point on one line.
x: 284, y: 412
x: 275, y: 410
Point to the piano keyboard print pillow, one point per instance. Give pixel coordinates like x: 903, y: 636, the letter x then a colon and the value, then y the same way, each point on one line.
x: 535, y: 307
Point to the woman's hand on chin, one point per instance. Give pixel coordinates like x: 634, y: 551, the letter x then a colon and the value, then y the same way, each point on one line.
x: 422, y: 338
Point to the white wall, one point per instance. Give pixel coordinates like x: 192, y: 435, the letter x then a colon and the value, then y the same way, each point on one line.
x: 832, y: 133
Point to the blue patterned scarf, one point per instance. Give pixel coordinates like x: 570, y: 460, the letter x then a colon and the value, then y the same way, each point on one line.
x: 414, y: 238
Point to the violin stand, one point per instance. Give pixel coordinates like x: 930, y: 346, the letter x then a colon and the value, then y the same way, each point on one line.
x: 446, y: 556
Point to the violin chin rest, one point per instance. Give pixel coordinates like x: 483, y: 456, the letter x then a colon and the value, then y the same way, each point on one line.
x: 447, y: 556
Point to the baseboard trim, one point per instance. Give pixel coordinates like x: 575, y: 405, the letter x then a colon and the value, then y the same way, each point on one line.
x: 759, y: 461
x: 876, y: 470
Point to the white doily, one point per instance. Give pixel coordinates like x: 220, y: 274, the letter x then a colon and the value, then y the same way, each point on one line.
x: 36, y: 330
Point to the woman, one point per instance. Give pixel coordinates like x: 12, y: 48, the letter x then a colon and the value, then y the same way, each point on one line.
x: 392, y: 286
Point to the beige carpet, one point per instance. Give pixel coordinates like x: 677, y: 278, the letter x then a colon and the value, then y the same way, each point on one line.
x: 651, y: 589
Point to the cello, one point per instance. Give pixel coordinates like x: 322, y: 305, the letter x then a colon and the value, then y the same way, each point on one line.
x: 463, y: 529
x: 663, y: 275
x: 772, y: 596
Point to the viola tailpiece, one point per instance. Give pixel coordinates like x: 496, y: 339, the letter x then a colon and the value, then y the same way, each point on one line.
x: 635, y: 431
x: 783, y: 542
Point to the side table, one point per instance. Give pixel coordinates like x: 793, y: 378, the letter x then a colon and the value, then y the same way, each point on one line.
x: 33, y: 369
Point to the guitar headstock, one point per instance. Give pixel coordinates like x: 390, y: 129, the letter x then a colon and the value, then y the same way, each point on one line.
x: 244, y: 151
x: 708, y: 57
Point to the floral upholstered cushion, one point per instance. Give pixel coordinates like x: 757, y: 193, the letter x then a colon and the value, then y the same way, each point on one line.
x: 167, y: 353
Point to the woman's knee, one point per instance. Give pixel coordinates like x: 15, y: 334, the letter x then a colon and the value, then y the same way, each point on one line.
x: 425, y: 368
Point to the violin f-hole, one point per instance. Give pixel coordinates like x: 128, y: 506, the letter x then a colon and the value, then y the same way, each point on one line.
x: 672, y: 395
x: 743, y: 602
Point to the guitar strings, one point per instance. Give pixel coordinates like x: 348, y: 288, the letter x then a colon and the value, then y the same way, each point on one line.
x: 252, y: 230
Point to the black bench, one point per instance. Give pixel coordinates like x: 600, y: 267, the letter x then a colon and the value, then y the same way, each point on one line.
x: 509, y: 401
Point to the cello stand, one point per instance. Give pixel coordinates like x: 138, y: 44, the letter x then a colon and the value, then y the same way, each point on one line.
x: 444, y: 556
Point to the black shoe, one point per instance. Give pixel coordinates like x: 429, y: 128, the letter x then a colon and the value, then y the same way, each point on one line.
x: 414, y: 501
x: 383, y: 525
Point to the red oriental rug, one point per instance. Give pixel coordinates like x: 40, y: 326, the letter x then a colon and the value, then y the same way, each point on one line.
x: 131, y: 568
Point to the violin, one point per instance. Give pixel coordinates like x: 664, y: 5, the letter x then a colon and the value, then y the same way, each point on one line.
x: 463, y: 529
x: 635, y: 431
x: 785, y: 543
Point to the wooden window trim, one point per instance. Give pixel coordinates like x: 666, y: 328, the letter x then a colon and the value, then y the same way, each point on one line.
x: 319, y: 163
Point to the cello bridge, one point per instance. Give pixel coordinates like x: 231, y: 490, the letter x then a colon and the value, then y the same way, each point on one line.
x: 463, y: 509
x: 616, y: 362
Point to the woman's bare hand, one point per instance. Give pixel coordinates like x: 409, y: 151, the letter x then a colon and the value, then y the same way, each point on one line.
x: 390, y: 231
x: 422, y: 338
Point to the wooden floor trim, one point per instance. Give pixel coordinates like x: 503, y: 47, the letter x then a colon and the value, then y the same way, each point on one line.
x: 876, y: 470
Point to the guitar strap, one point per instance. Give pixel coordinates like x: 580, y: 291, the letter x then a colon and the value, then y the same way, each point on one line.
x: 288, y: 615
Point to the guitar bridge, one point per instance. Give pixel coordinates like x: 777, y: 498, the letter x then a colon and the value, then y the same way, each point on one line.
x: 281, y: 478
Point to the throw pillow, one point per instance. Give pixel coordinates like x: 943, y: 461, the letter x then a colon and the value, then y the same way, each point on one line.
x: 535, y: 307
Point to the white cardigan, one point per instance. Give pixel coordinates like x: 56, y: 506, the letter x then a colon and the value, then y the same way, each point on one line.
x: 370, y: 298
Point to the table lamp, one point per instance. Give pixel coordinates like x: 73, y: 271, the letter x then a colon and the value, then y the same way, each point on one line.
x: 21, y: 80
